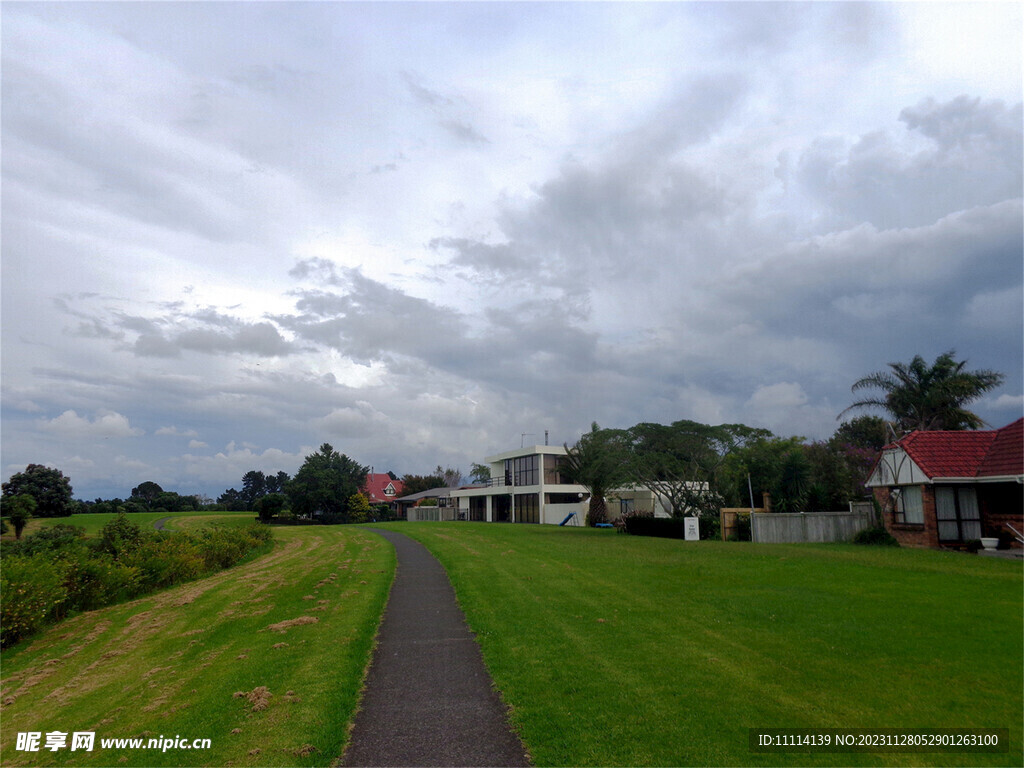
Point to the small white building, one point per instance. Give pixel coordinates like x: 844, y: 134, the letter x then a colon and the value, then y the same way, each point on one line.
x: 526, y: 486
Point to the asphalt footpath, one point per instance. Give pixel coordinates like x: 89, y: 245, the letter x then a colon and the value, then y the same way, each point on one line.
x: 429, y: 700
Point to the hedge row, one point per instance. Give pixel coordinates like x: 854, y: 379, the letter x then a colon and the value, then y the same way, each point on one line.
x: 57, y: 571
x: 665, y: 527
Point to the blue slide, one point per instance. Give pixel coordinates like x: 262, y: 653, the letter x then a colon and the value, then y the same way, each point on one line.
x: 568, y: 517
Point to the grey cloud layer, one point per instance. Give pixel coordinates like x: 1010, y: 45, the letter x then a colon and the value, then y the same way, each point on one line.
x: 419, y: 231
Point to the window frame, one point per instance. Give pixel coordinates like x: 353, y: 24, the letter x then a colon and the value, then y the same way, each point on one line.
x: 899, y: 509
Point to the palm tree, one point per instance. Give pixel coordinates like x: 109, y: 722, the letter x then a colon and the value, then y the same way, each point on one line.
x: 922, y: 397
x: 599, y: 462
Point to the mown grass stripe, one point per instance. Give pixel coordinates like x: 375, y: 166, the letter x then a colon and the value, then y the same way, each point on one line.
x: 616, y: 650
x: 171, y: 663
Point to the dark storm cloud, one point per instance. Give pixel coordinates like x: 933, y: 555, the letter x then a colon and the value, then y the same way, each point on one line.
x: 204, y: 330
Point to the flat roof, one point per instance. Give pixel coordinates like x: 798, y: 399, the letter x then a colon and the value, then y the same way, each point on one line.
x: 555, y: 450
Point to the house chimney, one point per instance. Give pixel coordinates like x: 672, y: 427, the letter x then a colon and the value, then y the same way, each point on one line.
x: 545, y: 437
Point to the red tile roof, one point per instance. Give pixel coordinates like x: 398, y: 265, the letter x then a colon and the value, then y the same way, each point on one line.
x: 1006, y: 456
x: 989, y: 453
x: 375, y: 485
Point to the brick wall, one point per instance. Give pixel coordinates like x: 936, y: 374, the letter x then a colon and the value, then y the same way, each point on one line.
x: 926, y: 535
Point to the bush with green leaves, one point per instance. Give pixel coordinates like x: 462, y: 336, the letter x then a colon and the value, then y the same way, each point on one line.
x: 54, y: 538
x: 52, y: 573
x: 358, y: 508
x: 270, y: 506
x: 33, y: 591
x: 740, y: 529
x: 120, y: 535
x: 875, y: 536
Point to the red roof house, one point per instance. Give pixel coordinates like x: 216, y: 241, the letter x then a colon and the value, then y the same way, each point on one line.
x: 948, y: 488
x: 381, y: 489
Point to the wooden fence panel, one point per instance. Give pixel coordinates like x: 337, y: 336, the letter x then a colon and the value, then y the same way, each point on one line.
x: 727, y: 518
x: 794, y: 528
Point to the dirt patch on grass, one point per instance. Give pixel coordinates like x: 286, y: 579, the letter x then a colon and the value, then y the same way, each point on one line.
x: 284, y: 626
x: 259, y: 697
x: 94, y: 633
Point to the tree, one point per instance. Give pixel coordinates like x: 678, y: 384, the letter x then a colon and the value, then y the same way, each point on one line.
x: 868, y: 432
x: 480, y: 473
x: 755, y: 469
x: 450, y: 477
x: 254, y: 485
x: 277, y: 483
x: 19, y: 509
x: 599, y: 461
x: 919, y: 396
x: 231, y: 500
x: 147, y: 491
x: 324, y: 484
x: 418, y: 483
x: 269, y: 506
x: 792, y: 492
x: 50, y: 489
x: 680, y: 462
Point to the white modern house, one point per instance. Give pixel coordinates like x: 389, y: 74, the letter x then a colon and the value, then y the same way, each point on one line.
x: 526, y: 486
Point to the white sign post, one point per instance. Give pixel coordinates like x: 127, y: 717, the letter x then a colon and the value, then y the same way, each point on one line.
x: 692, y: 528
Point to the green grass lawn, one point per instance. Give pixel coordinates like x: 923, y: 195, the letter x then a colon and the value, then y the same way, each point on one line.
x: 620, y: 650
x: 92, y: 523
x: 172, y: 663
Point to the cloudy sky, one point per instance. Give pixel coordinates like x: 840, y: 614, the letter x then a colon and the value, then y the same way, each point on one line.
x: 231, y: 232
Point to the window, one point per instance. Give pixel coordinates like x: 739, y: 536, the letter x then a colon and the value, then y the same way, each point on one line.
x: 522, y: 470
x: 527, y: 508
x: 390, y: 490
x: 909, y: 509
x: 562, y: 498
x: 956, y: 513
x: 553, y: 470
x: 477, y: 507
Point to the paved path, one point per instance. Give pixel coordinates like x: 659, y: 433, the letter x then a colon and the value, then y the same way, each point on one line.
x: 159, y: 524
x: 429, y: 700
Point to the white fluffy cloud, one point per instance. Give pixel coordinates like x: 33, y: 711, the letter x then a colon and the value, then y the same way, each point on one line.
x: 105, y: 425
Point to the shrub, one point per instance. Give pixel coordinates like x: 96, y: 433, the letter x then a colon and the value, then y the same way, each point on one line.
x: 876, y: 537
x: 269, y: 506
x: 56, y: 571
x: 381, y: 513
x: 741, y: 529
x: 710, y: 527
x: 33, y: 591
x: 120, y: 535
x: 162, y: 561
x: 98, y: 580
x: 358, y: 508
x: 55, y: 538
x: 648, y: 525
